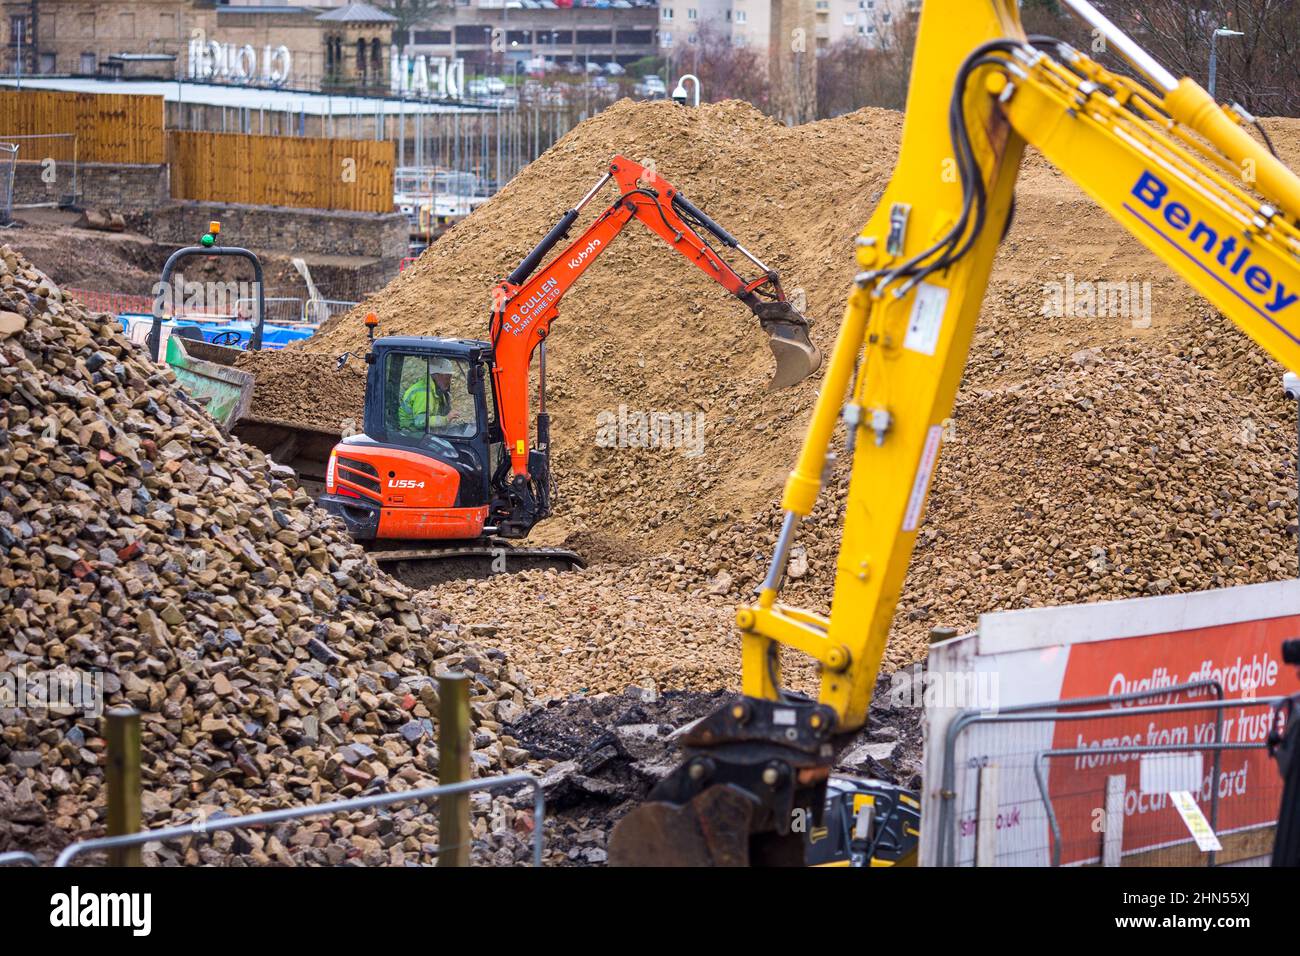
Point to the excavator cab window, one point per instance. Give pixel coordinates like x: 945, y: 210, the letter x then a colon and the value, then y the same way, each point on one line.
x: 429, y: 394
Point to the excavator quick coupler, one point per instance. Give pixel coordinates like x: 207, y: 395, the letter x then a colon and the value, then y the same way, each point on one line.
x: 751, y: 787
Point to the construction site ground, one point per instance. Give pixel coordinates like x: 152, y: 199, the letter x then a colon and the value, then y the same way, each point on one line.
x: 1090, y: 457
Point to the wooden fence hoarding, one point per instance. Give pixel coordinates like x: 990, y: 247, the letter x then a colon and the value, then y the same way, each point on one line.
x: 303, y: 172
x: 101, y: 128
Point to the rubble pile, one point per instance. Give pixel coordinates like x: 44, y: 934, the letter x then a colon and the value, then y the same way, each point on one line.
x: 273, y: 664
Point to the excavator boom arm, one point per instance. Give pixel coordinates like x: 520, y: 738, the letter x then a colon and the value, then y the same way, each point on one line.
x: 526, y: 303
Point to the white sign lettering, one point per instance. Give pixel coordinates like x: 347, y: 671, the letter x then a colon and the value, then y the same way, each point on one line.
x: 427, y: 77
x: 228, y: 63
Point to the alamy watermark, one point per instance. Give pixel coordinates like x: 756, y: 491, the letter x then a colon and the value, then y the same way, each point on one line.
x: 683, y: 431
x: 968, y: 690
x: 59, y: 692
x: 1090, y: 300
x: 179, y: 297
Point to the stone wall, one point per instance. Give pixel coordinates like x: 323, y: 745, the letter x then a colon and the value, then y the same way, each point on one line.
x: 120, y: 188
x: 282, y: 229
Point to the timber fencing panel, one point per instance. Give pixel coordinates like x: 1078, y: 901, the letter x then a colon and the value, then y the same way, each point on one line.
x: 100, y: 127
x: 303, y: 172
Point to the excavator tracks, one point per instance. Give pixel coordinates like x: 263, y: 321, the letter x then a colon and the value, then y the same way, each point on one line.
x: 426, y: 567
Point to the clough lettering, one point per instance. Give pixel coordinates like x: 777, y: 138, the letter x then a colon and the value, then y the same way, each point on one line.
x: 1222, y: 255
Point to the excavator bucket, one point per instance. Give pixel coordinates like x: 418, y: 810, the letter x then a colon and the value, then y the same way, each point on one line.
x: 787, y: 337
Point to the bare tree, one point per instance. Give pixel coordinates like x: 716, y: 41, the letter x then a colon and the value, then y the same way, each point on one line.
x: 1257, y: 70
x: 727, y: 71
x: 866, y: 70
x: 409, y: 13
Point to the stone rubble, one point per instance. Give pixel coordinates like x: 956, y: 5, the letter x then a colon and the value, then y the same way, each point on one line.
x: 272, y: 663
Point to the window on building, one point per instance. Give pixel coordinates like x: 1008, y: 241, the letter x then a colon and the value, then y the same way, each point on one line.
x: 742, y: 16
x: 850, y: 19
x: 823, y: 4
x: 433, y: 37
x: 666, y: 13
x: 88, y: 63
x: 691, y: 14
x: 691, y: 38
x: 665, y: 39
x: 18, y: 29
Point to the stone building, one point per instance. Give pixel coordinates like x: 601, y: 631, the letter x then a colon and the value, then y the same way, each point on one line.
x: 324, y: 45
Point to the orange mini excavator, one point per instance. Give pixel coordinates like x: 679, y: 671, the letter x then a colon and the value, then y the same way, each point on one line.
x: 447, y: 453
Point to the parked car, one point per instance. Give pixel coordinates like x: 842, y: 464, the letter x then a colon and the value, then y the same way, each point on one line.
x: 651, y: 87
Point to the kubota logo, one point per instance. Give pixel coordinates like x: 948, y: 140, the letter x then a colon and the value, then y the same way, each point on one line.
x: 405, y: 483
x: 585, y: 254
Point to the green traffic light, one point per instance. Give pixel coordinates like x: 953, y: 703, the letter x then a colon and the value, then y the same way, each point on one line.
x: 208, y: 240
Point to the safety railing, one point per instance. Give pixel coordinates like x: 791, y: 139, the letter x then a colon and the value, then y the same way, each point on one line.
x: 201, y: 828
x: 122, y: 787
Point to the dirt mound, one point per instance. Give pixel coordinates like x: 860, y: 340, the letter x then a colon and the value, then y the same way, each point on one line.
x: 1093, y: 457
x: 146, y: 556
x: 289, y: 388
x: 643, y: 329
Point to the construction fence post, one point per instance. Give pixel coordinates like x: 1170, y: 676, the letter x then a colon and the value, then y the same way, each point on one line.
x: 123, y: 781
x: 453, y: 767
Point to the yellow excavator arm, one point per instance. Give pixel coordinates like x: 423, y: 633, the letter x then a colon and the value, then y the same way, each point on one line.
x: 1174, y: 168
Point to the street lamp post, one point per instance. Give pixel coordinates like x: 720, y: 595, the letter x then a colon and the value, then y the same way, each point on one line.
x: 1214, y: 53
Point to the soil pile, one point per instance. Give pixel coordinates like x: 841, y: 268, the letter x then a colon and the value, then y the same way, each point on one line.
x: 644, y: 329
x: 1093, y: 456
x: 145, y: 554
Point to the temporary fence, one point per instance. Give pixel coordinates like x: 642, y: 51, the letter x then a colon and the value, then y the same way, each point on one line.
x: 114, y: 303
x: 8, y: 157
x: 109, y: 127
x: 122, y: 785
x: 1045, y: 800
x: 58, y: 156
x: 281, y: 310
x: 282, y: 171
x: 320, y: 310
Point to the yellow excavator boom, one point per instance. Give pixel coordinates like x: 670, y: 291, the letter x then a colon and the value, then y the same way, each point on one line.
x: 1175, y: 169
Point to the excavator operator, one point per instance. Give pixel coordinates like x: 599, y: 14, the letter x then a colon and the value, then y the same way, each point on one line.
x: 426, y: 402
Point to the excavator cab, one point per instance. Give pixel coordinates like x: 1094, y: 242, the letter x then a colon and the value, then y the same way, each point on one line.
x: 423, y: 466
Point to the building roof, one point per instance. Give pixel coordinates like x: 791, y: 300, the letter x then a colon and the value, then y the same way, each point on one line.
x: 357, y: 13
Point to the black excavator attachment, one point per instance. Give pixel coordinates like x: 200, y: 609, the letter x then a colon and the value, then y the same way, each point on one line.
x: 787, y: 337
x: 756, y: 789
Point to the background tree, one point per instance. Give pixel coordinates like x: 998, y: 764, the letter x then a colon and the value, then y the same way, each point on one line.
x: 409, y: 13
x: 726, y: 71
